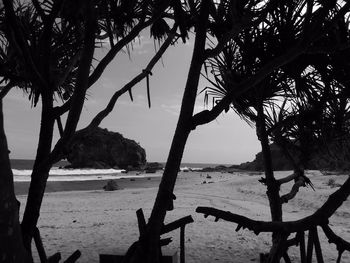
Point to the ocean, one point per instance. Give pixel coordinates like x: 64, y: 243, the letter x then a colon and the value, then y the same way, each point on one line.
x: 22, y: 169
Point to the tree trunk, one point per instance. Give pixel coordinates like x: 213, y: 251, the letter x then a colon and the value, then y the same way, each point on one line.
x: 273, y: 187
x: 11, y: 245
x: 39, y: 175
x: 44, y: 158
x: 149, y: 243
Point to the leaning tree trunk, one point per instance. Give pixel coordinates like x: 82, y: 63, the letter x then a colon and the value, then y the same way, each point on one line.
x: 39, y: 174
x: 11, y: 245
x: 149, y: 243
x: 45, y: 158
x: 272, y: 185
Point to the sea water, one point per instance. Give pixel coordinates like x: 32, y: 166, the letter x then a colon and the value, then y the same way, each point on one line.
x: 22, y: 170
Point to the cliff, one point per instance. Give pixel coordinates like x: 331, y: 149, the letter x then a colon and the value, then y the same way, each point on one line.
x: 100, y: 148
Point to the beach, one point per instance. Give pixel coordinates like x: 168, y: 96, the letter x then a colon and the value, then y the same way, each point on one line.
x: 81, y: 215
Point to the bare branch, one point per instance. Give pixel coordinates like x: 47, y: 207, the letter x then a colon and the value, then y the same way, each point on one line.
x: 341, y: 244
x: 320, y: 217
x: 287, y: 178
x: 118, y: 46
x: 96, y: 74
x: 81, y: 86
x: 104, y: 113
x: 78, y: 97
x: 295, y: 189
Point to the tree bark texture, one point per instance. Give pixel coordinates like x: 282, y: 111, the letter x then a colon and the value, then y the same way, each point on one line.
x: 11, y: 245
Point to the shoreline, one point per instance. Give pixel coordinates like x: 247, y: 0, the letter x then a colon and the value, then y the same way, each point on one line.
x: 21, y: 188
x: 81, y: 215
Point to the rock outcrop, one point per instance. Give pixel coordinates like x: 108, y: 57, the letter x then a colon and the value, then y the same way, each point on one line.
x: 100, y: 148
x: 334, y: 156
x: 111, y: 185
x: 279, y: 161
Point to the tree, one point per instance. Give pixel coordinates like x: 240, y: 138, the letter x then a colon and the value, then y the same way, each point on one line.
x: 228, y: 20
x: 303, y: 84
x: 11, y: 245
x: 47, y: 49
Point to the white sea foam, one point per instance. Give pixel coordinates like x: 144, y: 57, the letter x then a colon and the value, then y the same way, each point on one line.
x: 69, y: 178
x: 190, y: 169
x: 57, y: 171
x: 64, y: 174
x: 80, y: 174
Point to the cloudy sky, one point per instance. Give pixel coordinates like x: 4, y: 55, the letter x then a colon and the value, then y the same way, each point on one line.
x: 228, y: 140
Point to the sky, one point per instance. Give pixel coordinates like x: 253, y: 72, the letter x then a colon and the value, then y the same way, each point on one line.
x: 227, y: 140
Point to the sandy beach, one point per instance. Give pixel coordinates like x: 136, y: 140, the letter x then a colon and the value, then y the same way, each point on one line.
x: 81, y: 215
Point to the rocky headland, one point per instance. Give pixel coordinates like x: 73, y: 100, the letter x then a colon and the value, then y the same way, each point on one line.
x: 331, y: 157
x: 101, y: 149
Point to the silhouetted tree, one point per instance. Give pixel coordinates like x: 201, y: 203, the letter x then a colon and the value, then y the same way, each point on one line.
x: 47, y: 49
x: 291, y: 103
x: 228, y: 19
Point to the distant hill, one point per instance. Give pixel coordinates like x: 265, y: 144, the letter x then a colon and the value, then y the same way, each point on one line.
x: 335, y: 157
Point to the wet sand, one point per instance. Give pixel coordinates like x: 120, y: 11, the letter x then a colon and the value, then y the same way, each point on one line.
x: 21, y: 188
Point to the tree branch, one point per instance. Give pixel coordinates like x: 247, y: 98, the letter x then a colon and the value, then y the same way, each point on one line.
x: 320, y: 217
x: 295, y: 189
x: 341, y: 244
x: 208, y: 116
x: 104, y: 113
x: 96, y: 74
x: 102, y: 65
x: 78, y: 97
x: 81, y: 86
x: 287, y: 178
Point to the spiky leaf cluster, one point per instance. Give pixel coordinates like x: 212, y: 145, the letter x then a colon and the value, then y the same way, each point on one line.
x: 305, y: 100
